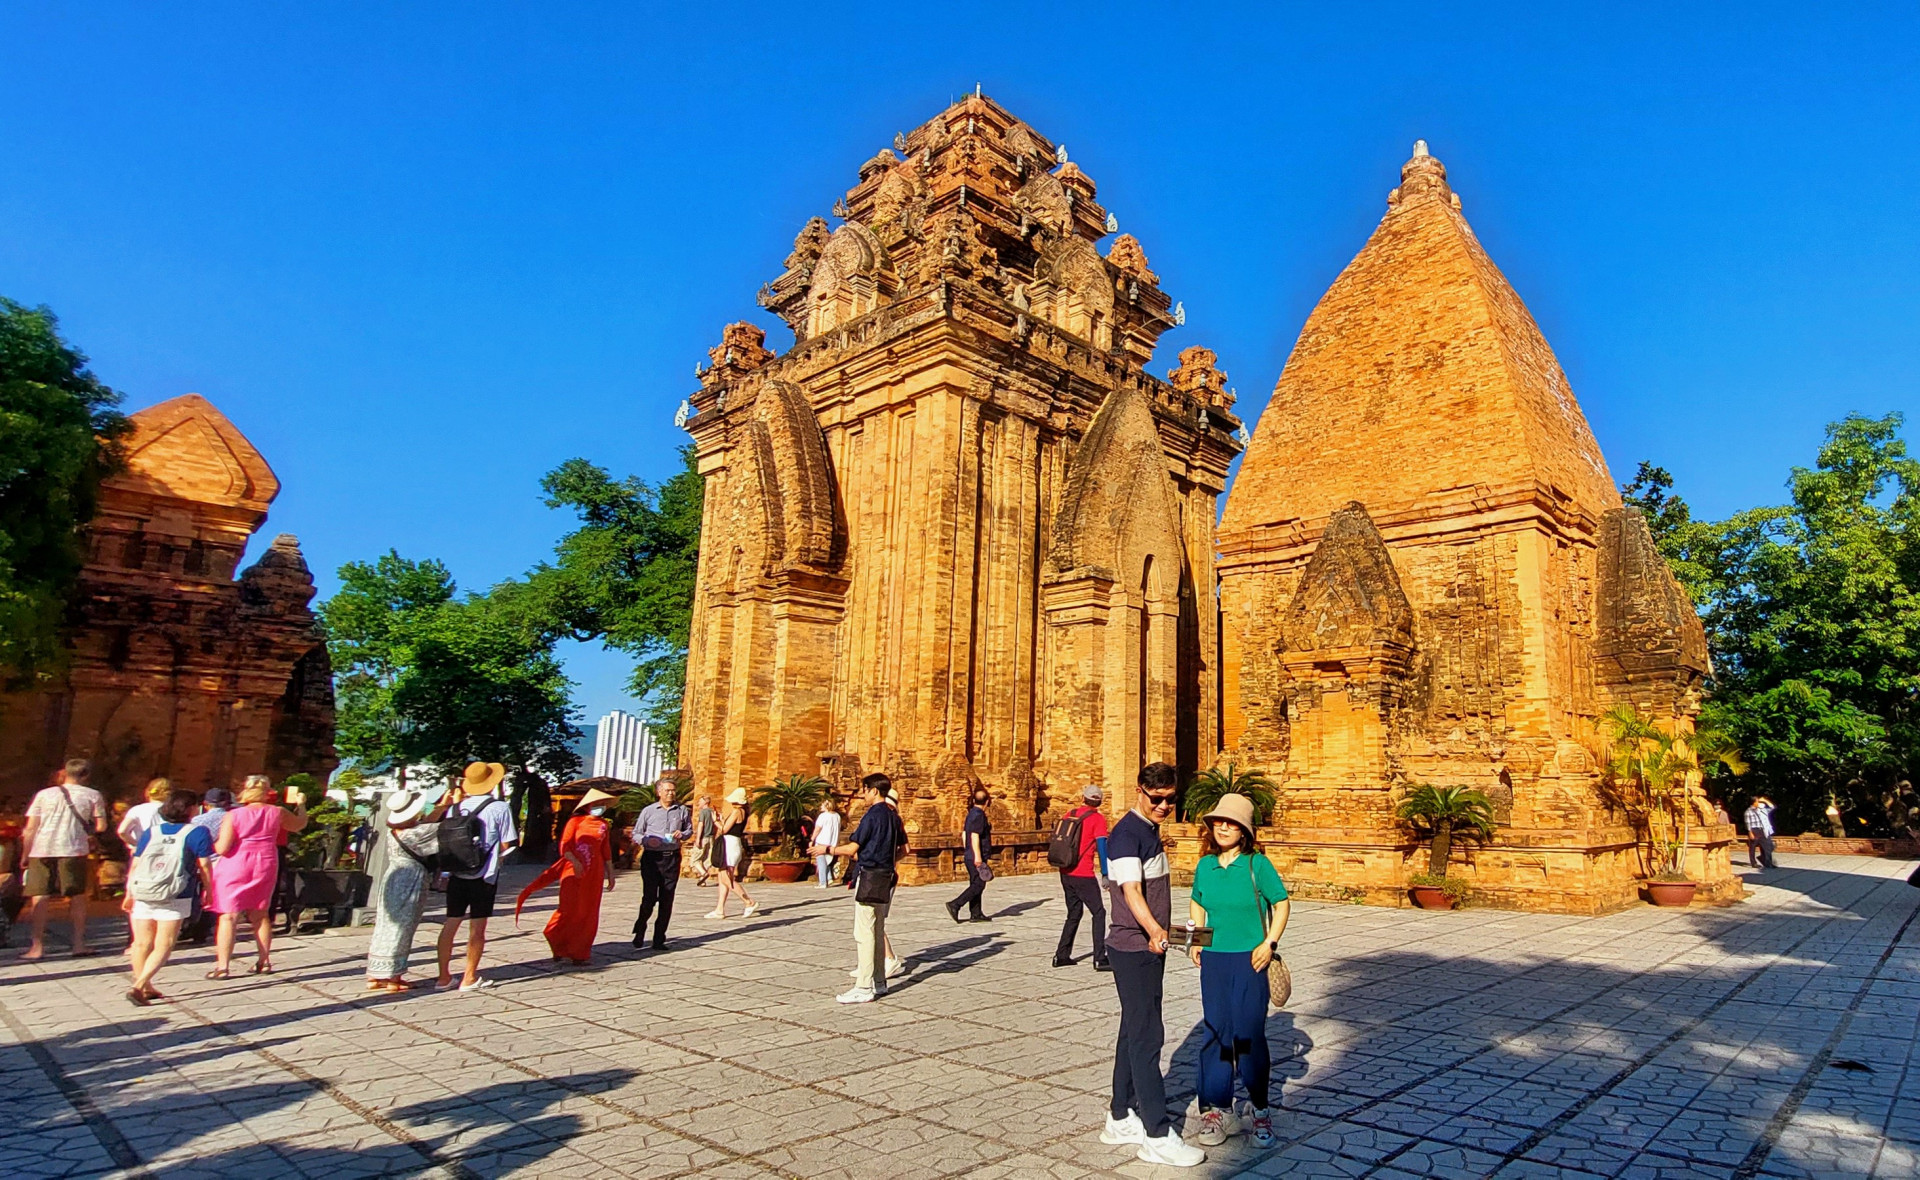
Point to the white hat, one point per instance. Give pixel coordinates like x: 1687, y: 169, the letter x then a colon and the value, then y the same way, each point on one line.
x: 403, y: 807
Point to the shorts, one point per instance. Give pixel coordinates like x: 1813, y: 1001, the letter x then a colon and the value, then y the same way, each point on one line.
x: 178, y: 910
x: 470, y: 897
x: 56, y: 876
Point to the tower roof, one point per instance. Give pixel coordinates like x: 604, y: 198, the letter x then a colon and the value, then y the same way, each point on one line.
x: 1419, y: 380
x: 186, y: 449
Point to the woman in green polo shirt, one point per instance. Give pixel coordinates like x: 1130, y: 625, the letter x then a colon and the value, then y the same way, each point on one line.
x: 1237, y: 892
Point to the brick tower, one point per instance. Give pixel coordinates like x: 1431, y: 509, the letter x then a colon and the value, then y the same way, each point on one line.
x: 957, y: 532
x: 1426, y: 575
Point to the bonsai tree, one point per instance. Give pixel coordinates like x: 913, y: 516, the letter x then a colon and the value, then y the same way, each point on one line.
x: 786, y: 805
x: 1444, y: 814
x: 1209, y: 786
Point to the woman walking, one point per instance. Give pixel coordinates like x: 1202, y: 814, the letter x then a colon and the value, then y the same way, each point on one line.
x: 826, y: 833
x: 1237, y: 892
x: 585, y: 871
x: 249, y: 866
x: 402, y: 888
x: 170, y: 864
x: 730, y: 854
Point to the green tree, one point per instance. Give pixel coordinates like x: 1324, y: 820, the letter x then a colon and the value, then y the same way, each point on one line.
x: 425, y: 676
x: 625, y: 577
x: 1813, y: 616
x: 58, y: 429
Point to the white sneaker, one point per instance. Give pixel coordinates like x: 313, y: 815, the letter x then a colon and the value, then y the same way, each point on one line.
x: 1126, y: 1130
x: 1216, y: 1125
x: 1168, y: 1150
x: 750, y: 911
x: 896, y: 968
x: 858, y: 995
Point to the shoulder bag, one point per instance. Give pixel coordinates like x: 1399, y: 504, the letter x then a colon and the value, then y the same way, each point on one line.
x: 93, y: 837
x: 1279, y: 978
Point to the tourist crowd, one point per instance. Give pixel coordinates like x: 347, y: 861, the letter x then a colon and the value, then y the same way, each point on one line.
x: 194, y: 861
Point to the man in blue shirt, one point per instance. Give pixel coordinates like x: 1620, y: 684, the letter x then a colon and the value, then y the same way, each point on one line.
x: 879, y: 841
x: 1141, y: 888
x: 664, y: 825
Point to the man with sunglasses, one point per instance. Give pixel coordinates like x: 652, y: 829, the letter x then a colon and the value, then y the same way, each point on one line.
x: 1141, y: 892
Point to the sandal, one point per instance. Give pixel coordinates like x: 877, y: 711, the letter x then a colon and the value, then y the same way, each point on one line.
x: 263, y: 968
x: 138, y: 997
x: 219, y: 973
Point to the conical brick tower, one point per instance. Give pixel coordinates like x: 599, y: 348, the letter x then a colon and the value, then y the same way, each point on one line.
x: 1427, y: 576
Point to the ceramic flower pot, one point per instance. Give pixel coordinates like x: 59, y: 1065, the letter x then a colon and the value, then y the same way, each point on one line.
x: 1431, y: 897
x: 783, y: 872
x: 1671, y: 893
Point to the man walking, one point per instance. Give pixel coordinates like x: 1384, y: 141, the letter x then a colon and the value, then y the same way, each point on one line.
x: 61, y: 823
x: 976, y: 845
x: 471, y: 894
x: 1142, y: 897
x: 1082, y: 885
x: 876, y: 845
x: 703, y: 827
x: 1760, y: 833
x: 663, y: 827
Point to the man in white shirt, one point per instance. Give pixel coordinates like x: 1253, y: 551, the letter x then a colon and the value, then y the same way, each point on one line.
x: 826, y: 833
x: 61, y: 822
x: 1760, y: 833
x: 471, y: 896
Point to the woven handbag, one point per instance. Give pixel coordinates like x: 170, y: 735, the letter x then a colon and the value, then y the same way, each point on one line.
x: 1279, y: 982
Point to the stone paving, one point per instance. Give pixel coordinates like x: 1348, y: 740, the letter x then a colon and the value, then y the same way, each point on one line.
x: 1775, y: 1038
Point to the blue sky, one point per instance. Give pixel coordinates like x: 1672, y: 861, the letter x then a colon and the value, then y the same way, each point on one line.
x: 421, y: 254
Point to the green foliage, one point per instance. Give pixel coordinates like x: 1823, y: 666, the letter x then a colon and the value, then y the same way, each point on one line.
x: 625, y: 577
x: 58, y: 428
x: 326, y: 820
x: 1813, y: 617
x: 1446, y: 812
x: 1211, y: 785
x: 423, y: 676
x: 787, y: 804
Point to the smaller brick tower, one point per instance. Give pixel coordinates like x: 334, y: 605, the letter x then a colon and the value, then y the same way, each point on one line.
x: 1427, y: 575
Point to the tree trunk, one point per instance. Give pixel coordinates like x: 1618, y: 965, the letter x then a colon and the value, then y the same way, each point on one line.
x: 1442, y: 850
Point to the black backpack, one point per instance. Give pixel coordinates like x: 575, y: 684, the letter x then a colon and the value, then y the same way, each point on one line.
x: 1063, y: 850
x: 462, y: 841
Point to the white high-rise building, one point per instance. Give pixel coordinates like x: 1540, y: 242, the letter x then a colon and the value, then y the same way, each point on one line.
x: 623, y: 748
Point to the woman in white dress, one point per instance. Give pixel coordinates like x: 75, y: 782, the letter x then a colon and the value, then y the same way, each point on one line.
x: 170, y: 858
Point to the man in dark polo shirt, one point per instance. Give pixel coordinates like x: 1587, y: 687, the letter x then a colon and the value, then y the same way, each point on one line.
x: 879, y: 841
x: 1141, y: 890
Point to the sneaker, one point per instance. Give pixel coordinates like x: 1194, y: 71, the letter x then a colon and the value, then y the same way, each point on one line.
x: 1213, y: 1126
x: 1263, y: 1128
x: 953, y: 910
x: 1060, y: 962
x: 1126, y: 1130
x: 1102, y: 965
x: 858, y: 995
x: 1168, y: 1150
x: 750, y: 911
x: 896, y: 968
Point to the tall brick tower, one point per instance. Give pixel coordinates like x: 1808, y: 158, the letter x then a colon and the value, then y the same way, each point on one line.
x: 1426, y: 575
x: 957, y: 531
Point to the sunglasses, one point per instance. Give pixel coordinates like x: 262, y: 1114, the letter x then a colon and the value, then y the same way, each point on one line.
x: 1158, y: 801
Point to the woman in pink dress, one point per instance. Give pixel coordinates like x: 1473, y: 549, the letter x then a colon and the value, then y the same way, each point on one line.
x: 249, y: 865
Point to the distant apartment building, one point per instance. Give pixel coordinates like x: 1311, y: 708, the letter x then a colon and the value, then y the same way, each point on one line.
x: 624, y: 749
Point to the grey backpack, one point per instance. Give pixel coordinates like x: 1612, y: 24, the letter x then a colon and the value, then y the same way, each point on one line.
x: 163, y: 872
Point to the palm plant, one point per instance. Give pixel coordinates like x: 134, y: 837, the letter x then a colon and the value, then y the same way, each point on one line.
x: 1211, y: 785
x: 1445, y: 813
x: 1656, y: 771
x: 787, y: 804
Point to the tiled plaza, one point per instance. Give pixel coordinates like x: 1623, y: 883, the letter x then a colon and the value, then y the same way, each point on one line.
x: 1775, y: 1038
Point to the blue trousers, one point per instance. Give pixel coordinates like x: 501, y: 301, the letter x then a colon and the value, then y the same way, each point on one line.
x: 1233, y: 1005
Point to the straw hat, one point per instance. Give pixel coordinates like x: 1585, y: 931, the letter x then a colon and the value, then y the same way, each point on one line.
x: 1237, y: 808
x: 480, y: 778
x: 737, y: 796
x: 596, y: 795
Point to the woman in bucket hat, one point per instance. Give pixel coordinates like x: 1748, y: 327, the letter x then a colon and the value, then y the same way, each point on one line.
x: 1238, y: 893
x: 730, y: 854
x: 400, y: 894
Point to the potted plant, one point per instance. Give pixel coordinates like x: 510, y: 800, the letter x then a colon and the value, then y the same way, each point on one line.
x: 1210, y: 785
x: 1444, y: 813
x: 1655, y: 773
x: 787, y: 805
